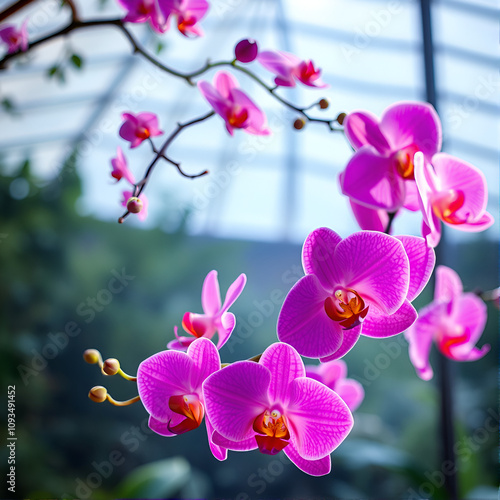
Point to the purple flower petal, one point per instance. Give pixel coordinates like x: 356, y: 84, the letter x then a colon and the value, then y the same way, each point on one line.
x: 349, y: 339
x: 219, y: 452
x: 448, y: 284
x: 379, y: 325
x: 318, y: 417
x: 205, y: 358
x: 407, y: 123
x: 225, y: 82
x: 422, y: 260
x: 370, y: 219
x: 303, y: 322
x: 362, y: 129
x: 332, y: 372
x: 318, y: 257
x: 316, y: 468
x: 377, y: 267
x: 228, y: 322
x: 369, y: 179
x: 245, y: 445
x: 161, y: 428
x: 235, y: 396
x: 210, y: 294
x: 160, y: 376
x: 285, y: 365
x: 470, y: 312
x: 351, y: 391
x: 234, y: 291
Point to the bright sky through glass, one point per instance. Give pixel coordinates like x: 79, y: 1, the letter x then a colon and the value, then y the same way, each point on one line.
x: 276, y: 188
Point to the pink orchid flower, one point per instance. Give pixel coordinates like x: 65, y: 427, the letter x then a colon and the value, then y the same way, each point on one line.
x: 141, y: 11
x: 453, y: 192
x: 288, y: 68
x: 170, y: 387
x: 334, y: 375
x: 454, y: 320
x: 120, y: 167
x: 271, y: 405
x: 15, y: 39
x: 361, y: 284
x: 215, y: 317
x: 145, y: 202
x: 188, y: 13
x: 233, y: 105
x: 138, y: 128
x: 381, y: 172
x: 370, y: 219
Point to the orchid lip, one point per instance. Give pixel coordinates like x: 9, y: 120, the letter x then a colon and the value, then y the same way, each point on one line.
x: 445, y: 205
x: 190, y: 406
x: 347, y: 308
x: 272, y: 432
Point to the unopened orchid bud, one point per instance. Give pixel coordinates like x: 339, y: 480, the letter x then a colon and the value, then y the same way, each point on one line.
x: 246, y: 50
x: 324, y: 103
x: 299, y: 124
x: 341, y: 118
x: 98, y: 394
x: 91, y: 356
x: 111, y: 366
x: 134, y: 205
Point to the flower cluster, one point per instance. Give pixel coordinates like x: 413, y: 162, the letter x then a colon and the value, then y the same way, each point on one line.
x: 398, y: 165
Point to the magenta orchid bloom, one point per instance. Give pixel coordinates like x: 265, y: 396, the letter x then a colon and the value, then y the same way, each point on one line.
x: 334, y: 375
x: 381, y: 172
x: 141, y: 11
x: 453, y: 192
x: 288, y: 68
x: 188, y: 13
x: 233, y: 105
x: 361, y: 284
x: 370, y: 219
x: 138, y: 128
x: 120, y: 167
x: 271, y: 405
x: 170, y: 387
x: 15, y: 39
x: 145, y: 202
x: 454, y: 320
x: 215, y: 317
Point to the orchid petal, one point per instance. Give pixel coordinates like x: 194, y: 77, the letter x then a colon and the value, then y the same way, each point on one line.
x: 161, y: 376
x: 235, y: 396
x: 162, y: 428
x: 370, y: 219
x: 379, y: 325
x: 315, y: 468
x: 225, y: 82
x: 245, y: 445
x: 233, y: 292
x: 362, y: 129
x: 219, y: 452
x: 370, y: 180
x: 481, y: 224
x: 210, y: 294
x: 349, y: 339
x: 228, y: 322
x: 205, y: 358
x: 448, y: 284
x: 318, y: 257
x: 351, y: 391
x: 285, y: 365
x: 303, y: 322
x: 376, y: 266
x: 332, y: 372
x: 320, y: 420
x: 407, y: 123
x: 422, y: 260
x: 470, y: 312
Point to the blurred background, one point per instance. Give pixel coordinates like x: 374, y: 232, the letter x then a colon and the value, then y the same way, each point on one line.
x: 60, y: 244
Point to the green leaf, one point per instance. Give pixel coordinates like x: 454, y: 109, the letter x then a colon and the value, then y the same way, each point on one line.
x: 77, y: 61
x: 52, y: 71
x: 162, y: 479
x: 8, y: 105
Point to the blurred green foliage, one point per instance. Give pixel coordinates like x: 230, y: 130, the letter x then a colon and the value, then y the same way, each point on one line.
x: 53, y: 261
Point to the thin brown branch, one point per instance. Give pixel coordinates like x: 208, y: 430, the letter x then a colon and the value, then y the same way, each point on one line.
x: 16, y: 7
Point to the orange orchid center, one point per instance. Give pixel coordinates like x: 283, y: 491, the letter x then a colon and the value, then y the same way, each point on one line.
x: 272, y: 432
x: 237, y: 116
x: 403, y: 162
x: 346, y: 307
x: 143, y: 133
x: 189, y: 406
x: 446, y: 204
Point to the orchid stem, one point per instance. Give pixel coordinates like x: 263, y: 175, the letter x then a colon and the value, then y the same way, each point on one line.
x: 389, y: 223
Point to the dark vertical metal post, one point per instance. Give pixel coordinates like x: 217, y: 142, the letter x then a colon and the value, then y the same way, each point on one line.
x: 445, y: 378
